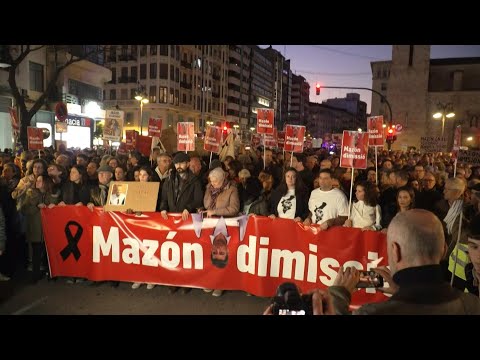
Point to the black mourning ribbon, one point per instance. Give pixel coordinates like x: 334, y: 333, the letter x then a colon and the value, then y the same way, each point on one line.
x: 72, y: 247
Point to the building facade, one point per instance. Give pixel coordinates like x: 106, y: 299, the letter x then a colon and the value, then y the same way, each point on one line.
x: 80, y: 85
x: 416, y: 86
x: 325, y: 119
x: 299, y: 101
x: 182, y: 83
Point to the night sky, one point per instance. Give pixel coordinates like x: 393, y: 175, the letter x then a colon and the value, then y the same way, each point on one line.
x: 349, y: 65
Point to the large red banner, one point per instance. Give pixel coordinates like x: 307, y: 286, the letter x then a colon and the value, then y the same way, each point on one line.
x: 185, y: 136
x: 35, y: 138
x: 294, y: 135
x: 354, y: 150
x: 155, y: 127
x: 261, y: 252
x: 213, y: 138
x: 375, y: 130
x: 265, y: 121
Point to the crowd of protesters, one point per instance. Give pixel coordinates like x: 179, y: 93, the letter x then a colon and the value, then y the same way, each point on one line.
x: 309, y: 187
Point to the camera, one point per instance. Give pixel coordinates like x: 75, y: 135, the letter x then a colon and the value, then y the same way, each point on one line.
x: 289, y: 301
x: 370, y: 279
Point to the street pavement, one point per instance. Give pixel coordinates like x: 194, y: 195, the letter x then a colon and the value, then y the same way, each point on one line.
x: 21, y: 297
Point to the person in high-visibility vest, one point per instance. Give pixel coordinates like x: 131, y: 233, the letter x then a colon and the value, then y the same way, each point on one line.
x: 472, y: 270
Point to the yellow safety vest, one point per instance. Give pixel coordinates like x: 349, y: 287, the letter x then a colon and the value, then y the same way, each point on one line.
x: 462, y: 261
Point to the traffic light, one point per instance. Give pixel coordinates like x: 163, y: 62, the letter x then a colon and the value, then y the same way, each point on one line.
x: 317, y: 89
x: 391, y: 134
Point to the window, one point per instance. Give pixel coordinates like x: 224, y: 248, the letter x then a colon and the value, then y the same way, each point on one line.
x: 163, y: 71
x: 124, y: 94
x: 143, y: 50
x: 384, y: 86
x: 133, y: 50
x: 162, y: 96
x: 143, y: 71
x: 177, y: 53
x: 172, y: 73
x: 164, y: 50
x: 124, y: 72
x: 153, y: 49
x: 36, y: 77
x: 133, y: 73
x: 113, y: 94
x: 172, y: 51
x: 152, y: 95
x: 184, y: 98
x: 171, y: 96
x: 177, y: 75
x: 114, y: 76
x: 153, y: 71
x: 133, y: 92
x: 177, y: 97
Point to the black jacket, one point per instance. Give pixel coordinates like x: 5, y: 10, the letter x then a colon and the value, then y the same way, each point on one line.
x: 301, y: 209
x: 190, y: 196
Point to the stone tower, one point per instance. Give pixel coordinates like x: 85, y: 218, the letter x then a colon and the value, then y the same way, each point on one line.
x: 407, y: 92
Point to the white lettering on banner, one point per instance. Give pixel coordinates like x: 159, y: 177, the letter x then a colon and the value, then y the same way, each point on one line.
x: 283, y: 258
x: 170, y: 252
x: 353, y: 156
x: 290, y: 140
x: 267, y: 262
x: 211, y: 141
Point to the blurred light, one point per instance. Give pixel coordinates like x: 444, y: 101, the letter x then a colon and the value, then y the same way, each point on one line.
x: 384, y: 126
x: 470, y: 138
x: 359, y: 130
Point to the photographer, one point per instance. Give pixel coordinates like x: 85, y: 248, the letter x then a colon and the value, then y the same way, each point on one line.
x: 320, y: 301
x: 415, y: 245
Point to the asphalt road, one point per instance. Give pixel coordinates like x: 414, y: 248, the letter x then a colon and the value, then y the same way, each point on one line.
x: 21, y: 297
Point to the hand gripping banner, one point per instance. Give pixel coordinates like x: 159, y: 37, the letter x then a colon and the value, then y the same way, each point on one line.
x: 254, y: 254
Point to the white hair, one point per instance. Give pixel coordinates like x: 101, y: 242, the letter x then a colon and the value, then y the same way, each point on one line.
x: 217, y: 174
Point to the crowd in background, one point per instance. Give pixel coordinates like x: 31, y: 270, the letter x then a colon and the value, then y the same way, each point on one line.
x: 309, y: 187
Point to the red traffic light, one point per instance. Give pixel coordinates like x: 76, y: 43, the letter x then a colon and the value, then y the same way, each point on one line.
x: 390, y: 131
x: 317, y: 89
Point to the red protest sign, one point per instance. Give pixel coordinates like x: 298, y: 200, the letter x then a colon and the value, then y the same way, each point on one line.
x: 213, y: 138
x: 375, y: 130
x: 122, y: 149
x: 155, y: 127
x: 35, y: 138
x: 270, y: 140
x: 294, y: 135
x: 265, y: 121
x: 131, y: 139
x: 354, y: 150
x: 61, y: 111
x: 185, y: 136
x: 144, y: 144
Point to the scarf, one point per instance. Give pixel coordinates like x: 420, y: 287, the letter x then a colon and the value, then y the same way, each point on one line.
x: 215, y: 192
x: 452, y: 214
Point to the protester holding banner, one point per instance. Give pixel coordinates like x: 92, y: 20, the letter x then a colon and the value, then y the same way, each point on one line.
x: 221, y: 199
x: 39, y: 196
x: 145, y: 176
x: 182, y: 191
x: 416, y: 244
x: 328, y: 206
x: 365, y: 213
x: 99, y: 194
x: 76, y: 191
x: 290, y: 199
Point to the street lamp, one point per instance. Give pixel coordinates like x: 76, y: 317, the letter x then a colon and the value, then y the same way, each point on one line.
x: 444, y: 111
x: 141, y: 96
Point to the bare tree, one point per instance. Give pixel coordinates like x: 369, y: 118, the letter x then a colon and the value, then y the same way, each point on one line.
x: 16, y: 54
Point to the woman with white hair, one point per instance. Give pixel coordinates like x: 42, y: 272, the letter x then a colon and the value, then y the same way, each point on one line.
x: 221, y: 195
x: 221, y: 199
